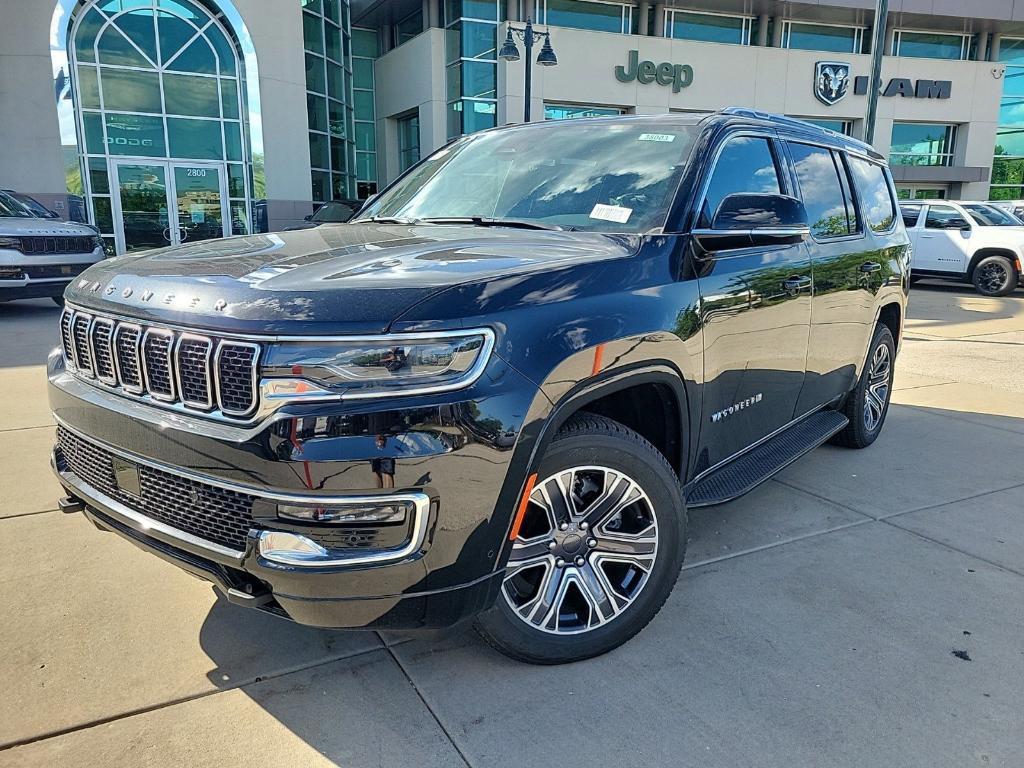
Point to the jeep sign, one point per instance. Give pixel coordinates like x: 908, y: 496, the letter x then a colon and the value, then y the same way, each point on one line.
x: 677, y: 75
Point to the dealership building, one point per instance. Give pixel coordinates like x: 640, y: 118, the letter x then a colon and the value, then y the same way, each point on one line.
x: 164, y: 121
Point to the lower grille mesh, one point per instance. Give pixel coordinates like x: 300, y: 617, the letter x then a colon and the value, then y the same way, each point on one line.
x: 207, y: 511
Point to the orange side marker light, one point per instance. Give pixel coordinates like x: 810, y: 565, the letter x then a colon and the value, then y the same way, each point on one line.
x: 598, y: 355
x: 523, y: 503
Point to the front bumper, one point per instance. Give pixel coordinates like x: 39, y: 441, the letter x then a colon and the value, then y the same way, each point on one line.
x: 468, y: 475
x: 251, y: 580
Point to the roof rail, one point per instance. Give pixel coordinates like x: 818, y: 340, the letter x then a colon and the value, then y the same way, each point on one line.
x: 794, y: 122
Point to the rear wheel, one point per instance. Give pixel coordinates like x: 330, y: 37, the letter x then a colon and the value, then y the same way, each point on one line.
x: 598, y: 551
x: 867, y: 405
x: 994, y: 276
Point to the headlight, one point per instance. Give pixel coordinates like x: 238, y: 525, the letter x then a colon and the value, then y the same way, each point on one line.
x: 96, y: 242
x: 361, y: 367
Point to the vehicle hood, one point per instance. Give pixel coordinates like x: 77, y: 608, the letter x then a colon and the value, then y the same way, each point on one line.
x: 32, y: 227
x: 335, y: 278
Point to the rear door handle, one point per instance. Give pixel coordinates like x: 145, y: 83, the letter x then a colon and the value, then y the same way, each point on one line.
x: 870, y: 266
x: 797, y: 283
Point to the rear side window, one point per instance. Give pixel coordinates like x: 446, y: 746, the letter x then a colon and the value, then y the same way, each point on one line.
x: 939, y: 216
x: 745, y: 165
x: 876, y: 203
x: 822, y: 191
x: 910, y: 215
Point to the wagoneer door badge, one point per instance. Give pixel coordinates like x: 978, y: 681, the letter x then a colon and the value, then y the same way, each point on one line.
x: 752, y: 400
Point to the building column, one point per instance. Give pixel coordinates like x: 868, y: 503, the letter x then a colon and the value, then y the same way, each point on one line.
x: 659, y: 19
x: 890, y: 36
x: 643, y: 14
x: 512, y: 10
x: 777, y: 32
x: 762, y: 29
x: 529, y: 10
x: 983, y: 46
x: 993, y: 49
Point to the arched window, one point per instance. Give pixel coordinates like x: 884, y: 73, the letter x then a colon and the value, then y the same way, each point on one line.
x: 160, y: 100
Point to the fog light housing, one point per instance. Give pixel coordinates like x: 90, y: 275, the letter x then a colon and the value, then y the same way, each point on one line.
x: 11, y: 273
x: 354, y: 514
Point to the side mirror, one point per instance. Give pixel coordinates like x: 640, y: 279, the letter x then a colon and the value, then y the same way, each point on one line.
x: 755, y: 220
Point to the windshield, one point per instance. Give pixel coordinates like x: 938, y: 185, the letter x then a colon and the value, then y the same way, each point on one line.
x: 12, y: 209
x: 34, y: 206
x: 990, y: 216
x: 594, y: 176
x: 333, y: 212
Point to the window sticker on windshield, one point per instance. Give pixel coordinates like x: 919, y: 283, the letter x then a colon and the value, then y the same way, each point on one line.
x: 666, y: 137
x: 614, y: 213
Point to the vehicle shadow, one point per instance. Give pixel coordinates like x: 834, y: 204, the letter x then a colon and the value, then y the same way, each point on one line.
x: 36, y: 322
x: 316, y: 704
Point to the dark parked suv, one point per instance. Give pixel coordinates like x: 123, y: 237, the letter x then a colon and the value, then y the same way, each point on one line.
x: 496, y: 392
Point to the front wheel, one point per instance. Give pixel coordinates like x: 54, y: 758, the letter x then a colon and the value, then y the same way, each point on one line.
x: 867, y: 405
x: 598, y: 551
x: 994, y: 276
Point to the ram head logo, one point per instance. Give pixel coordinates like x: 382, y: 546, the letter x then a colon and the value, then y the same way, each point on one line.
x: 831, y: 79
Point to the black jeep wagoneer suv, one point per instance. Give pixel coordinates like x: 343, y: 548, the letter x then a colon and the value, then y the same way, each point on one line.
x: 494, y: 393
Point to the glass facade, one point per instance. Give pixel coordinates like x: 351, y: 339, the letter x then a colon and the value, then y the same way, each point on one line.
x: 326, y: 35
x: 365, y: 48
x: 571, y: 111
x: 931, y: 45
x: 920, y: 193
x: 409, y: 27
x: 408, y: 141
x: 922, y: 144
x: 471, y: 64
x: 586, y: 14
x: 1008, y: 162
x: 822, y: 37
x: 162, y: 121
x: 708, y: 27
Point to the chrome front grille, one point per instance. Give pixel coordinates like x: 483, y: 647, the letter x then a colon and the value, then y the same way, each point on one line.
x: 163, y: 365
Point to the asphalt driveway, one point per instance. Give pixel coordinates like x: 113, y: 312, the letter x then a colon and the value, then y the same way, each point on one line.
x: 864, y: 608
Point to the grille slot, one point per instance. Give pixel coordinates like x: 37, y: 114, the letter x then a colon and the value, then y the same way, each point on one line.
x: 176, y: 368
x: 102, y: 352
x: 156, y: 363
x: 193, y: 367
x: 236, y: 377
x: 210, y: 512
x: 80, y: 343
x: 66, y: 337
x: 129, y: 366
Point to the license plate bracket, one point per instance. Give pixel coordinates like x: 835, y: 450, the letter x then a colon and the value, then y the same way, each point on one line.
x: 126, y: 475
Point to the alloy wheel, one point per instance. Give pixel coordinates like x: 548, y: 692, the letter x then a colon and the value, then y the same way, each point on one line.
x: 585, y: 550
x: 992, y: 277
x: 877, y: 393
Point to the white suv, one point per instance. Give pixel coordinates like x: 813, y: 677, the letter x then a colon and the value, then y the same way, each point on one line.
x: 965, y: 240
x: 39, y: 257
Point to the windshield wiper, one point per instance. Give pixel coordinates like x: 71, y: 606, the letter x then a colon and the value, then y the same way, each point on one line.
x: 487, y: 221
x: 390, y: 220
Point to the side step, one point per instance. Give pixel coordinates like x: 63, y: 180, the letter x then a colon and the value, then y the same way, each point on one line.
x: 755, y: 466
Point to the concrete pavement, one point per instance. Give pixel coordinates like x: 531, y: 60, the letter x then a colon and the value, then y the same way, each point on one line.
x: 815, y: 622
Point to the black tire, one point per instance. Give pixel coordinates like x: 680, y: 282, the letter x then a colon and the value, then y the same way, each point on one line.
x: 58, y: 300
x: 587, y: 441
x: 862, y: 430
x: 994, y: 276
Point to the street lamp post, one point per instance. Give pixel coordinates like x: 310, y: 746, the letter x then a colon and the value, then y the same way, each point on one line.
x: 546, y: 57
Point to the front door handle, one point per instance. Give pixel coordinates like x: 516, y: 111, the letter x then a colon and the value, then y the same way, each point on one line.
x: 797, y: 283
x: 870, y: 266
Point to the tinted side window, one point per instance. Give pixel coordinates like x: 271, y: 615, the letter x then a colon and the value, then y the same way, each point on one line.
x: 876, y: 203
x: 910, y: 215
x: 745, y: 165
x: 939, y: 216
x: 820, y: 190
